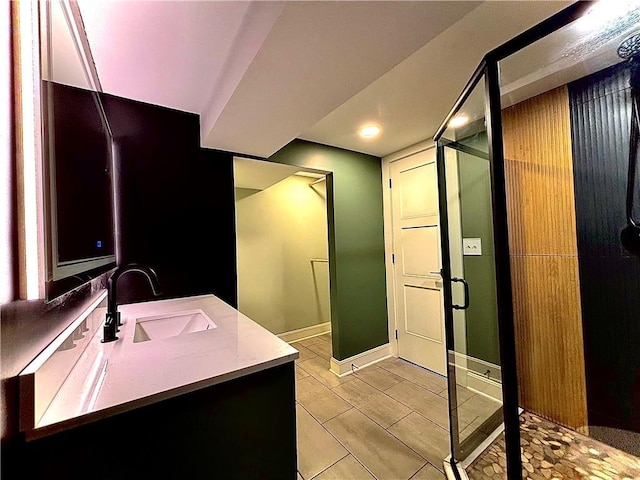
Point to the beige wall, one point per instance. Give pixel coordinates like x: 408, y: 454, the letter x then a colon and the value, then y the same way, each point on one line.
x: 278, y: 231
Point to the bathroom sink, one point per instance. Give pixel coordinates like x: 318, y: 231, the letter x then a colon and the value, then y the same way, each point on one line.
x: 171, y: 325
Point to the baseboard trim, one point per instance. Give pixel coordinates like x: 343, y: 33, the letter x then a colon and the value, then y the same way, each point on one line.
x: 361, y: 360
x: 306, y: 332
x: 471, y: 379
x: 484, y: 386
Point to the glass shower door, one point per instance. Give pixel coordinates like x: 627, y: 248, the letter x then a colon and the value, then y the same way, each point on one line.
x: 469, y: 276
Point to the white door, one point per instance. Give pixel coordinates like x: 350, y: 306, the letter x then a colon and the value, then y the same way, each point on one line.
x: 416, y: 248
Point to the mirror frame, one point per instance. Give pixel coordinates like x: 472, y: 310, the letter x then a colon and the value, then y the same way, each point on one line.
x: 62, y: 277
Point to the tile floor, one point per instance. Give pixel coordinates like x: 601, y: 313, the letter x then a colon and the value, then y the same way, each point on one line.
x: 390, y: 421
x: 386, y: 421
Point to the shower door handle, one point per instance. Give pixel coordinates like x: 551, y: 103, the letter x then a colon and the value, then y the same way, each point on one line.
x: 466, y: 294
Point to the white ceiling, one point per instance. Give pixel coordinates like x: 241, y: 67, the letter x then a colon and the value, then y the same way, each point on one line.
x: 262, y: 73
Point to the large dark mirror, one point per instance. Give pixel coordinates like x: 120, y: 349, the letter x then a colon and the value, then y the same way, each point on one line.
x: 77, y: 155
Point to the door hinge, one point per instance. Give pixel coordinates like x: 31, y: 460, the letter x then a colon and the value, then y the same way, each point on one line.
x: 389, y: 183
x: 393, y: 258
x: 396, y: 334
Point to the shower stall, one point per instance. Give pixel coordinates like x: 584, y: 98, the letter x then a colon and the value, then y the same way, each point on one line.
x: 540, y: 209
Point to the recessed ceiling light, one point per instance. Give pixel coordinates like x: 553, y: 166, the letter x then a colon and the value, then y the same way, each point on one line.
x: 369, y: 131
x: 458, y: 121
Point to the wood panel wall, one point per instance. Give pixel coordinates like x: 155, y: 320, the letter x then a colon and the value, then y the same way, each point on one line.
x: 544, y: 258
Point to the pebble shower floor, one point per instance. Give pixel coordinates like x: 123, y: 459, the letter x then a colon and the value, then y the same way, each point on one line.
x: 550, y: 451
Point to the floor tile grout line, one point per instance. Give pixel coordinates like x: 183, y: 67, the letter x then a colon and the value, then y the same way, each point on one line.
x: 414, y: 410
x: 388, y: 396
x: 431, y: 464
x: 307, y: 339
x: 319, y: 378
x: 380, y: 390
x: 355, y: 458
x: 369, y: 417
x: 384, y: 392
x: 360, y: 461
x: 322, y: 471
x: 331, y: 434
x: 386, y: 429
x: 343, y: 445
x: 416, y: 472
x: 321, y: 381
x: 425, y: 388
x: 431, y: 372
x: 314, y: 351
x: 309, y: 358
x: 416, y: 383
x: 353, y: 454
x: 335, y: 393
x: 419, y: 454
x: 353, y: 405
x: 430, y: 421
x: 408, y: 363
x: 414, y: 450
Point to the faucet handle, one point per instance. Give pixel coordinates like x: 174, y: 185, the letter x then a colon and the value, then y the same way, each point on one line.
x: 110, y: 327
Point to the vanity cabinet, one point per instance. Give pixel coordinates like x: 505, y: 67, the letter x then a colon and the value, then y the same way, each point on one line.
x: 243, y: 428
x: 214, y: 403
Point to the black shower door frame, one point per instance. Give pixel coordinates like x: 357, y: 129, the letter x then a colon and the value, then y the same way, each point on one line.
x: 488, y: 71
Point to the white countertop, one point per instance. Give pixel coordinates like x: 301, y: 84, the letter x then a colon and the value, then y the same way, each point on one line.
x: 119, y: 376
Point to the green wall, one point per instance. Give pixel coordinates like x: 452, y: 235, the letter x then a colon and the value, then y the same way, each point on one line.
x: 479, y: 271
x: 356, y: 243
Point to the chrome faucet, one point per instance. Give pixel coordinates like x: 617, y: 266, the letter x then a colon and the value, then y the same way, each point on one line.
x: 112, y: 320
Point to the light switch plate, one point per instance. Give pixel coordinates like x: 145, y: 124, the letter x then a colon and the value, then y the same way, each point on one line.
x: 472, y: 246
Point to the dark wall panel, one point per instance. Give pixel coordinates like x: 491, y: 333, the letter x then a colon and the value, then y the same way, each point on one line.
x: 609, y: 276
x: 175, y: 203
